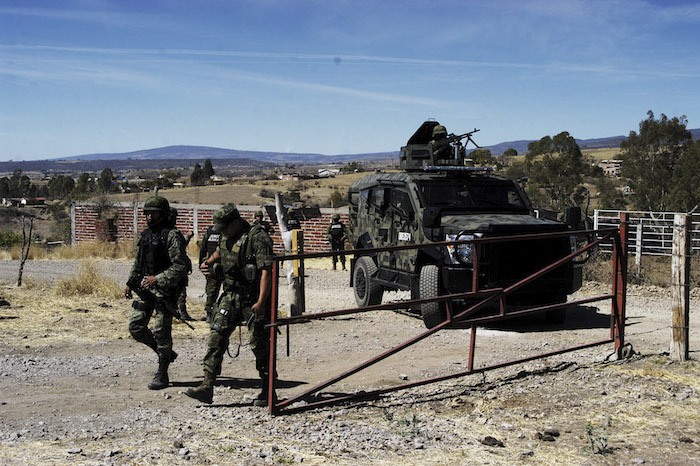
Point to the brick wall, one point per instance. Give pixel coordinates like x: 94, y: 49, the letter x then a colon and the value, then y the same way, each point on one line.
x: 86, y: 226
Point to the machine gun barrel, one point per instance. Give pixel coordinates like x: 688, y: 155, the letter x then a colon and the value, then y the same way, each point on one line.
x: 453, y: 138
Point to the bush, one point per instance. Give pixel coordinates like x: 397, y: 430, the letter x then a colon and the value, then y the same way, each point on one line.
x: 88, y: 281
x: 267, y: 193
x: 9, y: 239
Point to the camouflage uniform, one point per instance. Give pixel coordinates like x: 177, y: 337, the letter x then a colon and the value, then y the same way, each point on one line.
x: 210, y: 242
x: 234, y: 306
x: 182, y: 293
x: 161, y: 254
x: 440, y: 151
x: 259, y: 221
x: 243, y: 257
x: 337, y: 234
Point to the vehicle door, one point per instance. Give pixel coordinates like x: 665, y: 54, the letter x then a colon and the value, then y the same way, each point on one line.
x: 402, y: 214
x: 380, y: 223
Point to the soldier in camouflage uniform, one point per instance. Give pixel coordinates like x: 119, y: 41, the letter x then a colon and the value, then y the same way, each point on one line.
x: 246, y: 256
x: 440, y: 151
x: 337, y: 234
x: 207, y: 247
x: 259, y: 221
x: 182, y: 294
x: 161, y: 261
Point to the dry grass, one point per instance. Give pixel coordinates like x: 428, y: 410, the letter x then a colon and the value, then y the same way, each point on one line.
x: 656, y: 271
x: 83, y: 250
x: 248, y: 193
x: 88, y: 281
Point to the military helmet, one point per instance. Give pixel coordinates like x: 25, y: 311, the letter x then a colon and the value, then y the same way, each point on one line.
x: 226, y: 214
x: 439, y: 129
x: 157, y: 203
x: 336, y: 217
x: 173, y: 213
x: 259, y: 214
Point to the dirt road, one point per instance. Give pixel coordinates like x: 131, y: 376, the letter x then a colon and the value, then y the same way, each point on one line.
x: 73, y: 387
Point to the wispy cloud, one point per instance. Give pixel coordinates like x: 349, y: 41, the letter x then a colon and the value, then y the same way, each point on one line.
x: 653, y: 71
x: 103, y: 17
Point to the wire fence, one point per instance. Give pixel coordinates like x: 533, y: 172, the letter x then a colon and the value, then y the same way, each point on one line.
x: 650, y: 232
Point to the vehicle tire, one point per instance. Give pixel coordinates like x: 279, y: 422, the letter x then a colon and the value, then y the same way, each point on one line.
x: 557, y: 316
x: 433, y: 313
x: 366, y: 292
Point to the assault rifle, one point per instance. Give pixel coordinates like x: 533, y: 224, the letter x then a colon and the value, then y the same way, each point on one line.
x: 160, y: 304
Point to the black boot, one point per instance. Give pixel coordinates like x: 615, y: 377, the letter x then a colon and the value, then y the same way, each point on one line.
x: 261, y: 399
x: 204, y: 392
x: 161, y: 380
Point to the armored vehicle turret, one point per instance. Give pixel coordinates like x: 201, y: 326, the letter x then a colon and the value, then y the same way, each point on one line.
x: 436, y: 198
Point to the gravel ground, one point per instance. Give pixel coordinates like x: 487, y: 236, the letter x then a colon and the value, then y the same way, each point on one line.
x: 73, y: 387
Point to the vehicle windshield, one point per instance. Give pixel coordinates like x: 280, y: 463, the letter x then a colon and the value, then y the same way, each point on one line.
x: 471, y: 195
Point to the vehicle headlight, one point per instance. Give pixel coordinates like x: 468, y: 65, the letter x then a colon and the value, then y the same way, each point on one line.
x: 460, y: 253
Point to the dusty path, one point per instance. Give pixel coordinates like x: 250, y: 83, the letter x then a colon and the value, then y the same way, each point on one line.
x: 72, y: 388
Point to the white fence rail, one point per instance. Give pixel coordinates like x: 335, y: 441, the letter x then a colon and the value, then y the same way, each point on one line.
x: 650, y: 232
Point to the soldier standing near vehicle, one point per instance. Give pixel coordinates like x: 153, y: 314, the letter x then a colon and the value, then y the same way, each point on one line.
x: 246, y: 256
x: 182, y: 294
x: 293, y: 222
x: 206, y: 248
x: 337, y: 234
x: 160, y: 266
x: 265, y: 225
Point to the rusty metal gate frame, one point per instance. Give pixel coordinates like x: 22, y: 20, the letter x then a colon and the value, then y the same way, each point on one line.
x: 618, y: 299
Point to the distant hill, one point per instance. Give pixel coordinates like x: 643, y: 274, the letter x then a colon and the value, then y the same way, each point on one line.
x: 598, y: 143
x: 201, y: 153
x: 187, y: 156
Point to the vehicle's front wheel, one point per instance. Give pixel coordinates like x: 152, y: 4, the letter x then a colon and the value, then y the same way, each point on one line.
x: 366, y: 292
x: 434, y: 312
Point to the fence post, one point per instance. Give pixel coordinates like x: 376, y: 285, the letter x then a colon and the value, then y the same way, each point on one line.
x: 638, y: 248
x: 680, y: 270
x: 620, y: 284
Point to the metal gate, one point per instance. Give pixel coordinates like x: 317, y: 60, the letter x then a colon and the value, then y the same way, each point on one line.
x: 617, y: 238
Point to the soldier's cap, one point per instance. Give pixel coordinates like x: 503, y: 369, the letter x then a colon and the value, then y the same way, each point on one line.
x: 439, y: 129
x: 226, y: 214
x: 336, y: 216
x: 157, y: 203
x: 259, y: 214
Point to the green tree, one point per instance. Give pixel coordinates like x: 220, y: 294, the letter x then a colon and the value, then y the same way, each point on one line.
x: 610, y: 197
x: 60, y: 186
x: 85, y: 184
x: 4, y: 187
x: 208, y: 169
x: 649, y: 159
x: 685, y: 194
x: 104, y: 183
x: 197, y: 177
x: 510, y: 152
x: 482, y: 157
x: 555, y: 166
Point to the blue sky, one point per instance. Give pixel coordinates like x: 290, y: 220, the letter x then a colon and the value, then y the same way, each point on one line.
x: 335, y: 77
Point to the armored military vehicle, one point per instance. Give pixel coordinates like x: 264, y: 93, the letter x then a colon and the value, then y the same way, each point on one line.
x: 436, y: 198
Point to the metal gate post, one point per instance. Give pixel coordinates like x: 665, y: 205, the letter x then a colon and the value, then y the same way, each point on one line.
x: 272, y: 365
x: 620, y: 283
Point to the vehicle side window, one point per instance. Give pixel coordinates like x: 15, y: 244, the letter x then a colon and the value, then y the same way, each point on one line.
x: 377, y: 198
x: 401, y: 201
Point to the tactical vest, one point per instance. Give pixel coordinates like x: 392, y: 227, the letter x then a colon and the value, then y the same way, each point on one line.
x: 337, y: 230
x: 153, y: 252
x: 240, y: 268
x: 212, y: 242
